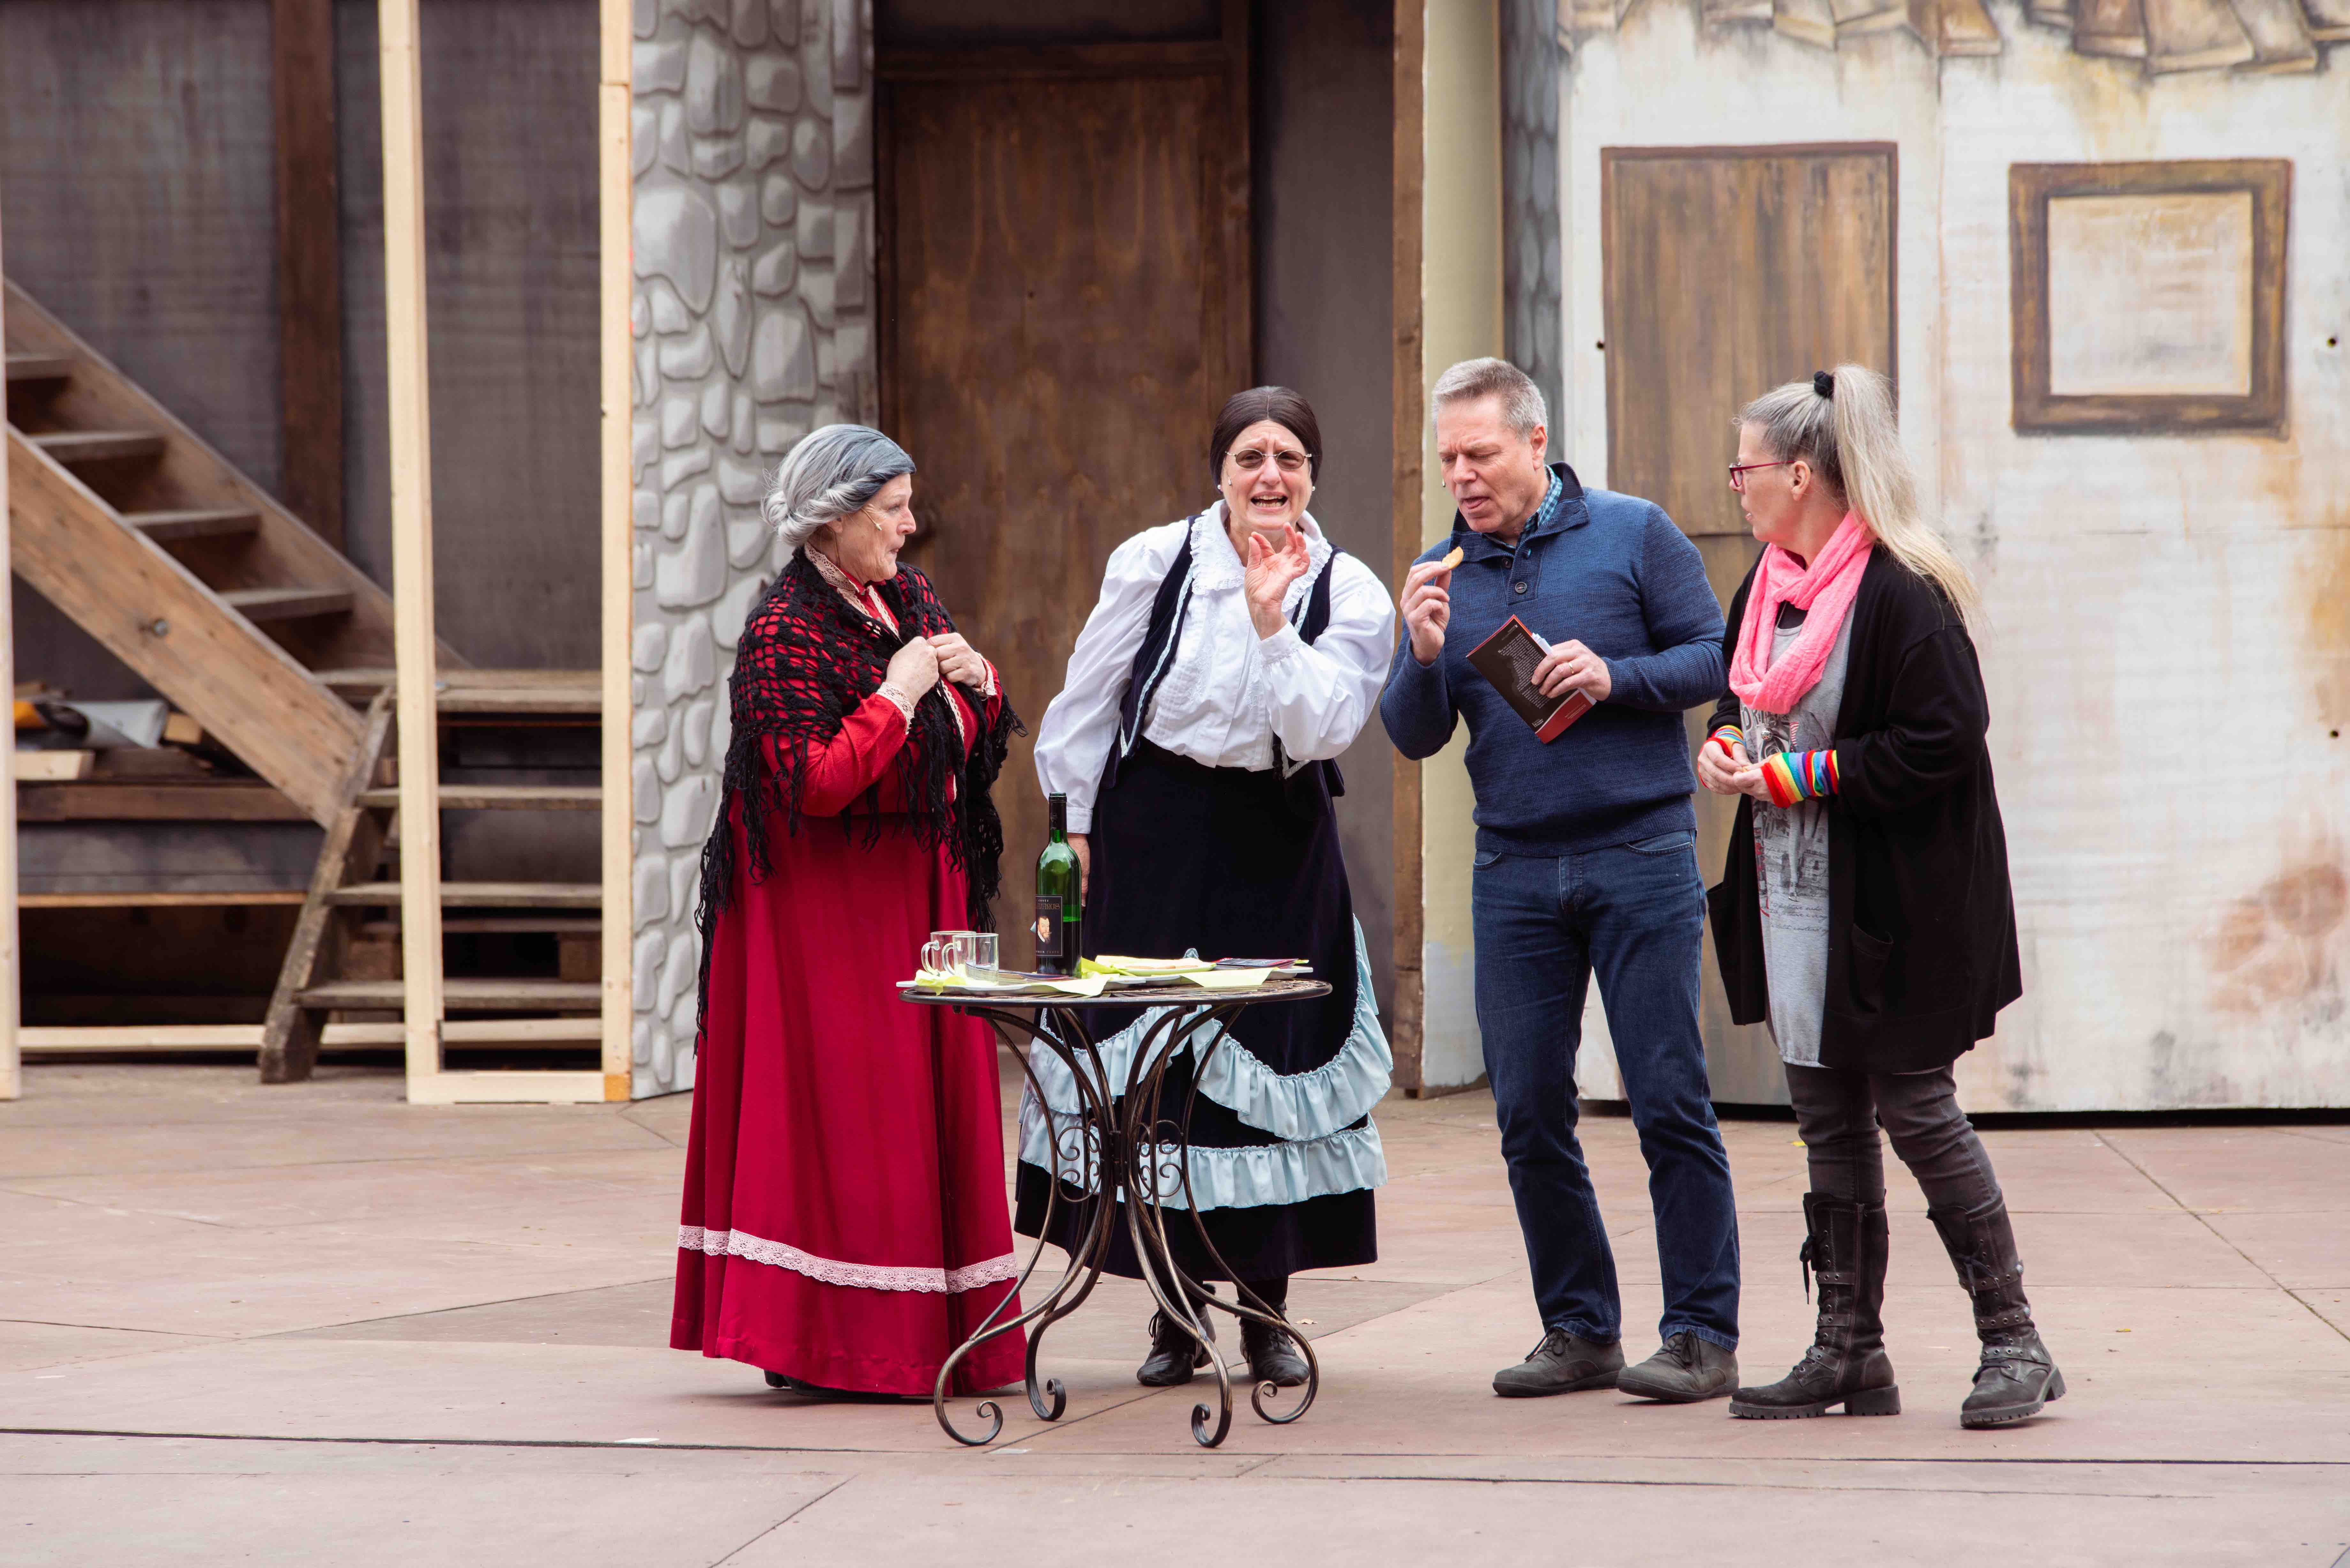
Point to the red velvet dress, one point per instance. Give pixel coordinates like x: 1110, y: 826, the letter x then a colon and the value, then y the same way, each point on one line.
x: 845, y: 1218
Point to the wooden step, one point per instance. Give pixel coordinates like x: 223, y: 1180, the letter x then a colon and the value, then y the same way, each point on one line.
x: 483, y: 895
x: 585, y: 701
x: 166, y: 527
x: 491, y: 692
x: 546, y: 925
x: 503, y: 798
x: 39, y: 367
x: 71, y: 447
x: 484, y: 995
x: 255, y: 898
x: 257, y: 605
x: 100, y: 800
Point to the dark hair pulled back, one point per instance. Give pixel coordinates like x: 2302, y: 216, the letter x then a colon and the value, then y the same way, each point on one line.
x: 1288, y: 409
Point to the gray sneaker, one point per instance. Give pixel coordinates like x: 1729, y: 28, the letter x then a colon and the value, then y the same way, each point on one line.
x: 1685, y: 1370
x: 1560, y: 1364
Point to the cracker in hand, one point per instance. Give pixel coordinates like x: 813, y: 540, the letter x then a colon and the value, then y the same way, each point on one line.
x: 1452, y: 558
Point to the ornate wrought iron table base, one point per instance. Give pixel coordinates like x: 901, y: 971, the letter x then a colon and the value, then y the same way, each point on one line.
x: 1134, y: 1174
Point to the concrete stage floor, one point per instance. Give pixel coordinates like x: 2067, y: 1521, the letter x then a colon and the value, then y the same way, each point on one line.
x: 311, y: 1324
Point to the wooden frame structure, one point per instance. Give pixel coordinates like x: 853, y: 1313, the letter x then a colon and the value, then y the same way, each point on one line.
x: 416, y: 656
x: 12, y: 1079
x: 425, y: 1029
x: 1410, y: 405
x: 2037, y: 409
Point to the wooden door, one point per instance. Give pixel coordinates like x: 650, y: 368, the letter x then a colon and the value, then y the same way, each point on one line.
x: 1064, y: 270
x: 1729, y: 270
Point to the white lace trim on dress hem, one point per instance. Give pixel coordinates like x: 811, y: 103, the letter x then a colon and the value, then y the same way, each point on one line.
x: 832, y: 1271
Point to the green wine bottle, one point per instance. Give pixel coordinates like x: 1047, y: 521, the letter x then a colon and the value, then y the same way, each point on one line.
x: 1060, y: 895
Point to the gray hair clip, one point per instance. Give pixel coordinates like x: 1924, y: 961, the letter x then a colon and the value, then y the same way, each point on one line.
x: 1823, y: 383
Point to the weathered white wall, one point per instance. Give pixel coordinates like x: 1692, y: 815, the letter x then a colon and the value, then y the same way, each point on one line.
x: 2166, y: 634
x: 753, y: 145
x: 2168, y: 650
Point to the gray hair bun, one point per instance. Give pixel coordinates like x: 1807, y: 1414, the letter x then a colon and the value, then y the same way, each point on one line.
x: 831, y: 474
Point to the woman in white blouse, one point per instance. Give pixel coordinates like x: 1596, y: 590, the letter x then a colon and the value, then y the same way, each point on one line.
x: 1232, y: 657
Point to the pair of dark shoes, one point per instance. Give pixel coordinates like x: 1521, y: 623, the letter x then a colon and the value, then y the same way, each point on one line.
x: 1684, y: 1370
x: 1844, y: 1249
x: 1175, y: 1356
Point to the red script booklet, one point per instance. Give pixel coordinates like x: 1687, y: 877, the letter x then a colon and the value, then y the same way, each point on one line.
x: 1507, y: 658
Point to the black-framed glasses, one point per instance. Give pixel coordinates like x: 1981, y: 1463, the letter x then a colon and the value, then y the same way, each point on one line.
x: 1738, y: 470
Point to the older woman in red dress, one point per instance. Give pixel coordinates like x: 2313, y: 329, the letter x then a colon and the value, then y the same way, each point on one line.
x: 845, y: 1224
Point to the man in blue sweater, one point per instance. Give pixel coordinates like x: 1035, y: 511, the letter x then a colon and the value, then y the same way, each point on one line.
x: 1587, y: 863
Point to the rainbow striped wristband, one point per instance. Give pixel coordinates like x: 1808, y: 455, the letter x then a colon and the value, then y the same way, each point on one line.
x: 1793, y: 776
x: 1730, y: 738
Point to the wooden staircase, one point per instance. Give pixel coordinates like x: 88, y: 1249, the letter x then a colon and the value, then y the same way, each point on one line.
x: 356, y: 895
x: 231, y: 608
x: 184, y: 568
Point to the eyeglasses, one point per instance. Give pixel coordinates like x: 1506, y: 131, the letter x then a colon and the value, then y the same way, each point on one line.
x: 1738, y: 472
x: 1250, y: 460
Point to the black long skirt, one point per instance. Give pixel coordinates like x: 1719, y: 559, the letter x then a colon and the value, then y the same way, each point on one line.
x: 1184, y: 857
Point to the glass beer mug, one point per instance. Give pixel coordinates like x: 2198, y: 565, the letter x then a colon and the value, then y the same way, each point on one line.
x: 948, y: 952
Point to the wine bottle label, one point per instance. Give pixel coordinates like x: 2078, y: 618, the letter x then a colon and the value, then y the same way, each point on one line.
x: 1048, y: 925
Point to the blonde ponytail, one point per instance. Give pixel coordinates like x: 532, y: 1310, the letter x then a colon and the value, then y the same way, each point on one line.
x: 1843, y: 424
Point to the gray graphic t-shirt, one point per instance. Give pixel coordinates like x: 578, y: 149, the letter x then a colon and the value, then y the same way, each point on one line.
x: 1791, y: 854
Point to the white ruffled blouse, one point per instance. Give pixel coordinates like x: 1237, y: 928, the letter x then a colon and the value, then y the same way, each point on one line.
x: 1228, y: 694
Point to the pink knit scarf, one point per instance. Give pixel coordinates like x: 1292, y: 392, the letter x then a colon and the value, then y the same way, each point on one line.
x: 1823, y: 590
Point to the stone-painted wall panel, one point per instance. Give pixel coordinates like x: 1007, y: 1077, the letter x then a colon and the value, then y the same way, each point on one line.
x: 754, y: 121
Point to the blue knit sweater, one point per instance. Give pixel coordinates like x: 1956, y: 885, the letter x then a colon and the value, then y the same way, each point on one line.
x: 1613, y: 572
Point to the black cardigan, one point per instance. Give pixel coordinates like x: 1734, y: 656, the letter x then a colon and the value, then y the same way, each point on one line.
x: 1921, y: 920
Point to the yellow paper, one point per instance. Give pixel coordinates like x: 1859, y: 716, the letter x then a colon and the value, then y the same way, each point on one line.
x: 959, y: 980
x: 1110, y: 963
x: 1228, y: 979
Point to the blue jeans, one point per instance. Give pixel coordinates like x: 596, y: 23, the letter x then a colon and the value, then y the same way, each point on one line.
x: 1634, y: 915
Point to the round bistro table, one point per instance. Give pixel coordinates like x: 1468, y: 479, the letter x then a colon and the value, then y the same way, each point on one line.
x: 1117, y: 1152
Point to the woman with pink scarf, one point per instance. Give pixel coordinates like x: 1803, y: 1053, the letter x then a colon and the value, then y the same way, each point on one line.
x: 1864, y: 914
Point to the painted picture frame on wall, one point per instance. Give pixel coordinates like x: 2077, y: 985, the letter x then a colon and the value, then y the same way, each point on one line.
x: 2149, y: 298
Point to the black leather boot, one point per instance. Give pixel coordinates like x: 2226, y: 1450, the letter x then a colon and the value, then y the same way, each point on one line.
x: 2017, y: 1376
x: 1272, y: 1355
x: 1846, y: 1364
x: 1174, y: 1354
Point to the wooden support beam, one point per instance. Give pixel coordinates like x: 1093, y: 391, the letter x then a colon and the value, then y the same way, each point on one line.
x: 93, y: 1037
x: 256, y: 898
x: 289, y: 1040
x: 517, y: 1089
x: 512, y: 1032
x: 411, y: 537
x: 1408, y: 391
x: 309, y: 263
x: 614, y: 207
x: 11, y: 1073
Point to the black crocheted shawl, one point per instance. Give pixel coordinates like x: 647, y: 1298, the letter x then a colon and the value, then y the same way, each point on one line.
x: 806, y: 661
